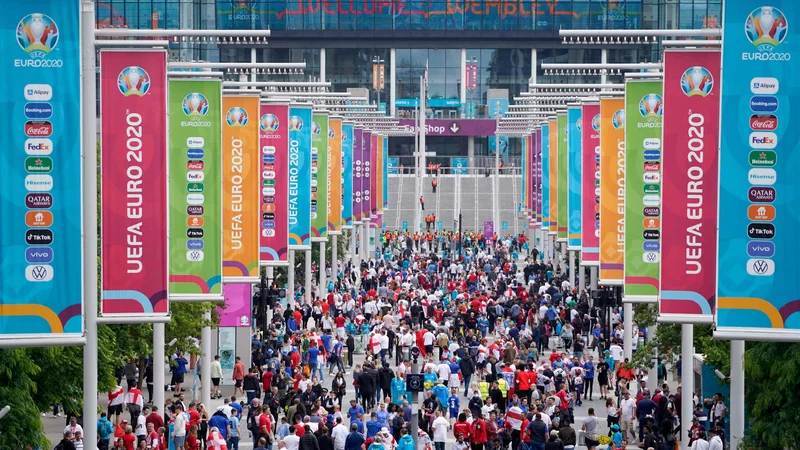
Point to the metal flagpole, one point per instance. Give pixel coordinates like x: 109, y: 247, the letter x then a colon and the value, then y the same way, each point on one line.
x: 323, y: 282
x: 423, y: 89
x: 290, y: 280
x: 335, y: 258
x: 159, y: 344
x: 205, y: 361
x: 308, y: 277
x: 496, y: 184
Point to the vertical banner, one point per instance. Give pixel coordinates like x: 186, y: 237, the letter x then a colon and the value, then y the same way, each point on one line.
x: 757, y: 267
x: 273, y: 126
x: 319, y: 177
x: 574, y: 179
x: 335, y: 176
x: 226, y: 345
x: 41, y: 290
x: 241, y: 179
x: 385, y: 182
x: 195, y: 162
x: 544, y: 139
x: 367, y: 177
x: 238, y: 305
x: 563, y: 176
x: 358, y: 175
x: 539, y: 175
x: 133, y: 94
x: 379, y: 178
x: 689, y: 187
x: 347, y: 176
x: 612, y: 190
x: 524, y: 180
x: 554, y: 175
x: 590, y: 184
x: 300, y: 177
x: 374, y: 168
x: 644, y: 107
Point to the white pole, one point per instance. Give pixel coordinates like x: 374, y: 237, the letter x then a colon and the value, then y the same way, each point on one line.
x: 463, y: 90
x: 627, y: 332
x: 496, y: 179
x: 323, y: 279
x: 737, y: 393
x: 687, y: 382
x: 322, y: 65
x: 205, y: 361
x: 89, y: 153
x: 335, y: 258
x: 308, y: 277
x: 593, y: 278
x: 652, y: 380
x: 393, y: 81
x: 534, y: 63
x: 572, y: 268
x: 581, y: 278
x: 290, y: 280
x: 423, y: 95
x: 365, y: 240
x: 159, y: 344
x: 417, y: 176
x: 603, y: 60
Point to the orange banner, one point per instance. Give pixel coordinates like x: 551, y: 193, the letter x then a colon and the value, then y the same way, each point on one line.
x: 240, y: 189
x: 335, y: 176
x: 553, y: 178
x: 612, y: 190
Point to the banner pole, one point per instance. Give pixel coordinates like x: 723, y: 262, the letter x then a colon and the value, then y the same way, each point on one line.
x: 159, y: 340
x: 335, y: 258
x: 290, y: 281
x: 89, y: 154
x: 627, y: 331
x: 308, y: 295
x: 323, y: 279
x: 687, y: 382
x: 737, y: 392
x: 205, y: 362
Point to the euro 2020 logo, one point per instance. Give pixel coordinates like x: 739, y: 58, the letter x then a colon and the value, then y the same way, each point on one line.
x: 236, y: 117
x: 651, y: 105
x: 331, y: 134
x: 315, y: 128
x: 697, y: 81
x: 596, y: 123
x: 295, y: 123
x: 269, y: 123
x: 133, y: 80
x: 195, y: 105
x: 37, y: 34
x: 766, y: 27
x: 618, y: 119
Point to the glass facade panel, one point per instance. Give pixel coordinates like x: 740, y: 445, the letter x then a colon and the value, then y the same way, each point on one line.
x: 352, y: 68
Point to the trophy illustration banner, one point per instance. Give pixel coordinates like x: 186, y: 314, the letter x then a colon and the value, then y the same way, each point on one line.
x: 300, y: 177
x: 590, y: 184
x: 319, y: 177
x: 273, y: 126
x: 347, y: 175
x: 335, y: 176
x: 612, y: 191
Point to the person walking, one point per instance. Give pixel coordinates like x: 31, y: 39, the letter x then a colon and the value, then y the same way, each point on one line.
x: 422, y: 202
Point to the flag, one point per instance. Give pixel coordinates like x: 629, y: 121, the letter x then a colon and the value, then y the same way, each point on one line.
x: 426, y: 75
x: 214, y: 441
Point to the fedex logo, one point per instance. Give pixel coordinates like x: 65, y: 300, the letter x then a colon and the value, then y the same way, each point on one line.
x: 763, y: 140
x: 38, y: 147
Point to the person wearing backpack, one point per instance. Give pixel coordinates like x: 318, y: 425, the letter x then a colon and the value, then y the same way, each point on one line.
x: 104, y: 432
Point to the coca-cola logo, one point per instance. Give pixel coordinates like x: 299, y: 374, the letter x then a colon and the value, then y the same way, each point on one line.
x: 38, y: 128
x: 764, y: 122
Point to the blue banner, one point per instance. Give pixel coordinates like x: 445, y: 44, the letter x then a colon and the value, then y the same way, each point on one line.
x: 545, y: 177
x: 393, y: 165
x: 574, y: 180
x: 503, y: 146
x: 497, y: 105
x: 385, y: 186
x: 347, y: 174
x: 759, y: 187
x: 460, y: 166
x: 299, y: 178
x: 41, y: 290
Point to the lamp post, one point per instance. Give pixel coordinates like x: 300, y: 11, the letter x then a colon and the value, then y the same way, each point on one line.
x: 471, y: 83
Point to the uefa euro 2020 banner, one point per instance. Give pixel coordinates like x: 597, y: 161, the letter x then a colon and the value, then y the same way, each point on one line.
x: 319, y: 177
x: 385, y: 178
x: 539, y: 176
x: 554, y: 178
x: 335, y: 176
x: 133, y: 102
x: 195, y: 183
x: 358, y: 175
x: 273, y: 125
x: 545, y: 196
x: 347, y: 175
x: 612, y: 190
x: 300, y: 177
x: 575, y: 131
x: 41, y: 290
x: 644, y: 108
x: 590, y: 184
x: 563, y: 225
x: 241, y: 179
x: 689, y: 186
x: 757, y: 283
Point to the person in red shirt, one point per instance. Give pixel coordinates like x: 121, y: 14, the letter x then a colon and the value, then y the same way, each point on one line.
x: 155, y: 418
x: 152, y: 437
x: 295, y: 359
x: 129, y: 439
x: 478, y: 434
x: 266, y: 380
x: 462, y: 426
x: 522, y: 385
x: 340, y: 321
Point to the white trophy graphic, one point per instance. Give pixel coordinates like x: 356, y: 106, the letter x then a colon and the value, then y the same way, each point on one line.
x: 37, y: 28
x: 133, y: 77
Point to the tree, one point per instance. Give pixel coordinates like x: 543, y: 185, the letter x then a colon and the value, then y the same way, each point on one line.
x: 22, y: 426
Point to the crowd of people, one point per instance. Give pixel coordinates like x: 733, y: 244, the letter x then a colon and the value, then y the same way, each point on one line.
x: 507, y: 347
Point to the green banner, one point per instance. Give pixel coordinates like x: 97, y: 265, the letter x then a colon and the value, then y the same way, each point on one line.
x: 319, y: 177
x: 195, y: 189
x: 644, y: 107
x: 563, y: 178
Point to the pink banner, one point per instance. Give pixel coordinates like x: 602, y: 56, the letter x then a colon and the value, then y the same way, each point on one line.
x: 590, y: 174
x: 358, y: 175
x: 373, y: 178
x: 133, y: 92
x: 237, y: 311
x: 689, y: 183
x: 274, y: 142
x: 538, y: 199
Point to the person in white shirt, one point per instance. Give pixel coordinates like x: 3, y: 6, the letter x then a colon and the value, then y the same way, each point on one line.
x: 616, y: 353
x: 715, y: 443
x: 440, y: 427
x: 628, y: 408
x: 292, y: 441
x: 141, y: 424
x: 443, y: 370
x: 73, y: 427
x: 701, y: 443
x: 339, y: 434
x: 179, y: 435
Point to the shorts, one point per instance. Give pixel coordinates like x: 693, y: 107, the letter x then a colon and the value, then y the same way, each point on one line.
x: 453, y: 413
x: 215, y: 381
x: 238, y: 383
x: 115, y: 409
x: 625, y: 425
x: 178, y: 378
x: 179, y: 440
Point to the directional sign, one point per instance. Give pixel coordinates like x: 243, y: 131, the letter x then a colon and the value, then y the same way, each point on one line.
x: 405, y: 225
x: 505, y: 225
x: 454, y: 128
x: 439, y: 225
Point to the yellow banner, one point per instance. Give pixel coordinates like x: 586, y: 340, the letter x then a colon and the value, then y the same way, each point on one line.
x: 612, y: 191
x: 335, y: 176
x: 240, y: 189
x: 553, y: 178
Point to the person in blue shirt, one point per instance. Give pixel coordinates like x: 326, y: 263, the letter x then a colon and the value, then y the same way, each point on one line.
x: 355, y: 410
x: 398, y: 389
x: 441, y: 392
x: 326, y: 341
x: 483, y: 324
x: 313, y: 355
x: 453, y: 406
x: 358, y: 422
x: 354, y: 440
x: 221, y: 422
x: 178, y: 371
x: 588, y: 375
x: 374, y: 425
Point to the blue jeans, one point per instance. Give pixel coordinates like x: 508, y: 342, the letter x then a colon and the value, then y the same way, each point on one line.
x: 233, y: 443
x: 537, y: 445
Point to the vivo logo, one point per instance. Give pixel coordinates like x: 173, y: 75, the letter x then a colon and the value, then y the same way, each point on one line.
x: 194, y: 244
x: 41, y: 255
x: 651, y: 246
x: 761, y: 249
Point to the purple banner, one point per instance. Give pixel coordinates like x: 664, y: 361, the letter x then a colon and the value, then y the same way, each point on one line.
x: 238, y: 298
x: 358, y: 173
x: 488, y: 229
x: 455, y: 127
x: 367, y: 176
x: 539, y: 176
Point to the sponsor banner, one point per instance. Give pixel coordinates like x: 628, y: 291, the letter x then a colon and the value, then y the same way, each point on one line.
x: 385, y: 182
x: 590, y: 184
x: 524, y: 180
x: 554, y: 177
x: 319, y: 177
x: 335, y: 176
x: 376, y: 150
x: 133, y: 94
x: 358, y: 174
x: 379, y: 175
x: 273, y: 126
x: 300, y: 178
x: 757, y: 268
x: 689, y: 187
x: 347, y: 174
x: 368, y: 178
x: 612, y: 190
x: 241, y: 186
x: 394, y: 165
x: 644, y: 108
x: 539, y: 154
x: 575, y: 130
x: 237, y: 310
x: 41, y: 290
x: 563, y: 177
x: 195, y: 231
x: 544, y: 140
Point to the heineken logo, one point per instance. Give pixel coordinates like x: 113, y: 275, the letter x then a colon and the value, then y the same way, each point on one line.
x: 652, y: 188
x: 38, y: 164
x: 195, y: 188
x: 761, y: 158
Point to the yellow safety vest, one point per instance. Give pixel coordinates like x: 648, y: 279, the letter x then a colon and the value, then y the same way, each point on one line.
x: 503, y: 385
x: 483, y: 387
